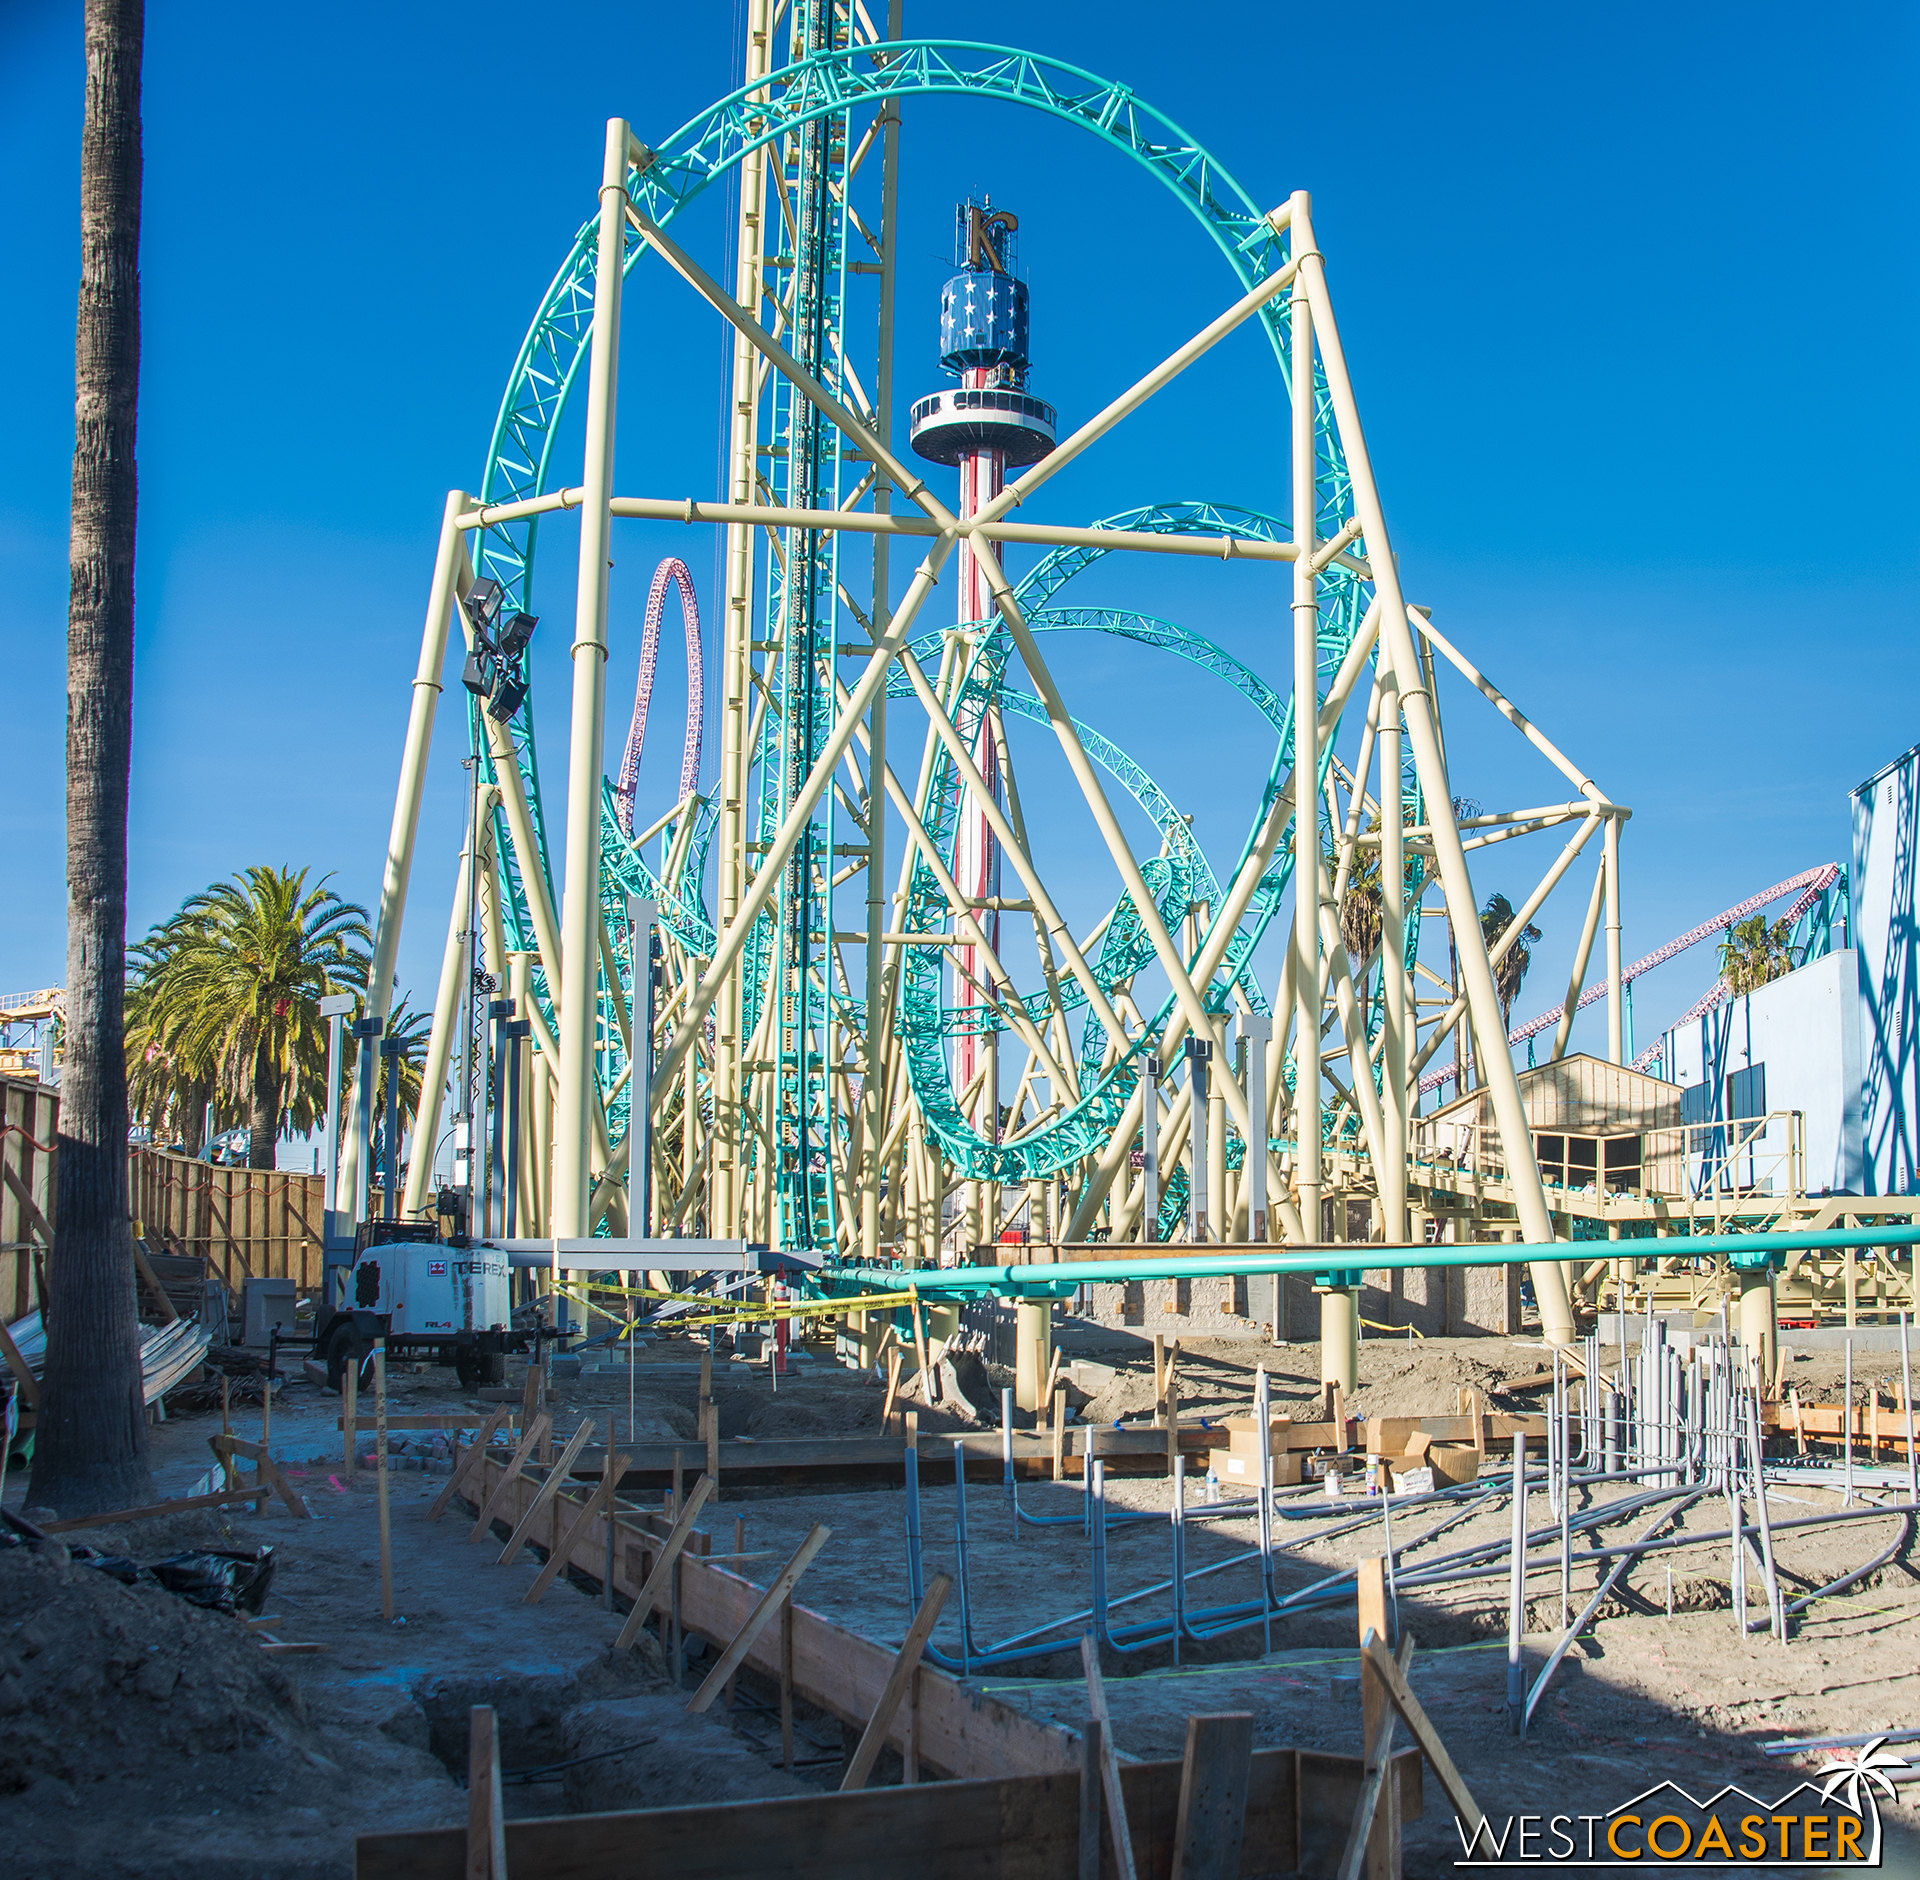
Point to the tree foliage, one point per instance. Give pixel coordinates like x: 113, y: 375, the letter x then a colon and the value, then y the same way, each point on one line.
x: 1510, y: 971
x: 1363, y: 905
x: 1754, y: 953
x: 225, y: 1006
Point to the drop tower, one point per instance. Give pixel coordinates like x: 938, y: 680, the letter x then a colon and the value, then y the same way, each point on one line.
x: 983, y: 427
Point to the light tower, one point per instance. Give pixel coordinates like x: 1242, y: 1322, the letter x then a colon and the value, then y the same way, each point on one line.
x: 989, y: 423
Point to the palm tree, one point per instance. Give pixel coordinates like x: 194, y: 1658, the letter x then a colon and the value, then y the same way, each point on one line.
x: 90, y: 1448
x: 167, y: 1091
x: 1754, y: 953
x: 249, y: 961
x: 1361, y: 905
x: 1510, y: 971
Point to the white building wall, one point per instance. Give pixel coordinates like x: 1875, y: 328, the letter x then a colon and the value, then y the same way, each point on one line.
x: 1805, y: 1028
x: 1886, y: 841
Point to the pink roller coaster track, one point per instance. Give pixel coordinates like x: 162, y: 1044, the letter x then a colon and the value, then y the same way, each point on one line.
x: 675, y: 570
x: 1806, y: 888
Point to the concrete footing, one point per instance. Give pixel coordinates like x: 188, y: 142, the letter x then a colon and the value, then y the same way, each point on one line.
x: 1437, y: 1302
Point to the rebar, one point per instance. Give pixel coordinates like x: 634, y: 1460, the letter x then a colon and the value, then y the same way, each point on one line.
x: 1679, y: 1423
x: 1847, y: 1419
x: 1776, y: 1608
x: 960, y: 1553
x: 1006, y: 1459
x: 1517, y: 1592
x: 1262, y: 1417
x: 1179, y: 1552
x: 1906, y: 1412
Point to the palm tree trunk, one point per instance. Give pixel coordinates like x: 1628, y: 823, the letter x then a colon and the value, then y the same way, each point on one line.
x: 90, y: 1451
x: 263, y: 1122
x: 191, y: 1118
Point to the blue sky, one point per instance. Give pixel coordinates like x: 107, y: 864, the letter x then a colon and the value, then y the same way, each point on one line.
x: 1627, y: 293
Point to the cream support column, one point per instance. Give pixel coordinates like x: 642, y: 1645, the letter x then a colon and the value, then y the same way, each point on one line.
x: 446, y: 1026
x: 1033, y: 1354
x: 943, y: 1327
x: 873, y: 1092
x: 1340, y: 1337
x: 1257, y: 1029
x: 1200, y: 1101
x: 1759, y: 1326
x: 512, y: 787
x: 1306, y: 744
x: 580, y: 908
x: 1148, y: 1090
x: 520, y: 991
x: 641, y: 916
x: 1396, y: 637
x: 539, y: 1215
x: 1616, y: 1006
x: 728, y: 1197
x: 1220, y: 1215
x: 1390, y: 1160
x: 448, y: 562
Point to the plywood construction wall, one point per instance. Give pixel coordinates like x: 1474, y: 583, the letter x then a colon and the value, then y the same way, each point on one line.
x: 29, y: 1117
x: 246, y: 1223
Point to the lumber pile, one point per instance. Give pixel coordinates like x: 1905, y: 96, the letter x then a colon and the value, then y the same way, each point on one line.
x: 1875, y: 1430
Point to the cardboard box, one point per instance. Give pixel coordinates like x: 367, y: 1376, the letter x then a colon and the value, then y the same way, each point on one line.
x: 1242, y: 1464
x: 1279, y: 1430
x: 1393, y: 1436
x: 1452, y: 1463
x: 1322, y: 1435
x: 1242, y: 1468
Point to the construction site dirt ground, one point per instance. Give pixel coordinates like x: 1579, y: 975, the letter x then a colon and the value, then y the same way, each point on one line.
x: 143, y: 1736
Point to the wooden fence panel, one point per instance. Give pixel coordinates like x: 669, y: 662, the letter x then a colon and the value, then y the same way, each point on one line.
x: 29, y: 1120
x: 245, y: 1223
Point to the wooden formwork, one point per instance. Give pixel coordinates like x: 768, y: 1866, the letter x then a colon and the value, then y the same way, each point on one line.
x: 1008, y: 1808
x: 29, y: 1116
x: 246, y: 1223
x: 1010, y: 1827
x: 960, y: 1732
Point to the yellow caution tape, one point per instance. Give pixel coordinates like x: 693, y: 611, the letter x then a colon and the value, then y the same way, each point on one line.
x: 746, y: 1312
